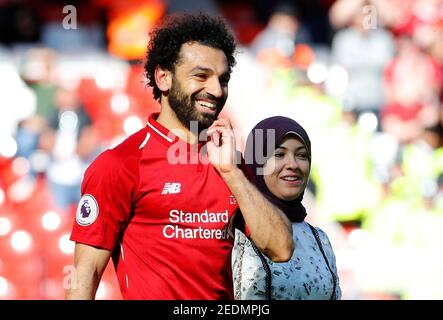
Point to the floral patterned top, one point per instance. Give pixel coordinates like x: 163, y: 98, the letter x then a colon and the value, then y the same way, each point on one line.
x: 305, y: 276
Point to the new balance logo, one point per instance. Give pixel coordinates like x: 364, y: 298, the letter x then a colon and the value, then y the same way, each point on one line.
x: 171, y: 187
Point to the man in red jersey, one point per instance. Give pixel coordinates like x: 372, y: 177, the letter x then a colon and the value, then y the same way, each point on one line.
x: 159, y: 204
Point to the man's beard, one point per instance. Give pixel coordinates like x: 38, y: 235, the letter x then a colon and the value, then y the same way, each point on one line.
x: 185, y: 109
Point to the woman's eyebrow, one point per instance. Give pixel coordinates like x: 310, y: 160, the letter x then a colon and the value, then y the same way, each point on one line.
x: 283, y: 147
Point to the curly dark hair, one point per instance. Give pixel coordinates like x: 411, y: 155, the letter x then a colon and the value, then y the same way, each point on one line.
x: 166, y: 41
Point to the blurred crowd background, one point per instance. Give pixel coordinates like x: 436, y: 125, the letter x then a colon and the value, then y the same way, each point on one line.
x: 364, y: 77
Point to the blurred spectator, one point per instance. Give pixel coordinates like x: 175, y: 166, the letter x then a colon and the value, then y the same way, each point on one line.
x: 363, y: 50
x: 37, y: 72
x: 413, y: 81
x: 312, y: 14
x: 282, y: 32
x: 71, y: 142
x: 412, y: 17
x: 423, y: 150
x: 381, y: 12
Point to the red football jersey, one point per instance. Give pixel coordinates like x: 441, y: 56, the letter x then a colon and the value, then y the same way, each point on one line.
x: 165, y: 213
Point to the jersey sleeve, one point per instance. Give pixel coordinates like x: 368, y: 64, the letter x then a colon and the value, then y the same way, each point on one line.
x: 104, y: 209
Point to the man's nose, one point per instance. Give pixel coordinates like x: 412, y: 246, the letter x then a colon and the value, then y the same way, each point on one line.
x: 214, y: 87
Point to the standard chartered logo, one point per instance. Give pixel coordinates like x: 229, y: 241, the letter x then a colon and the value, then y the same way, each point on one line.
x: 179, y: 219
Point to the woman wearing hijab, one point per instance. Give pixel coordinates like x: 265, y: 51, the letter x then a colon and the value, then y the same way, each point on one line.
x: 280, y: 165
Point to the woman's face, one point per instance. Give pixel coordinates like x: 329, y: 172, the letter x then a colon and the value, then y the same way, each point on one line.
x: 286, y: 172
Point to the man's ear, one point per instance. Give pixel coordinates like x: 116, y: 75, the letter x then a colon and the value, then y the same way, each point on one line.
x: 163, y: 78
